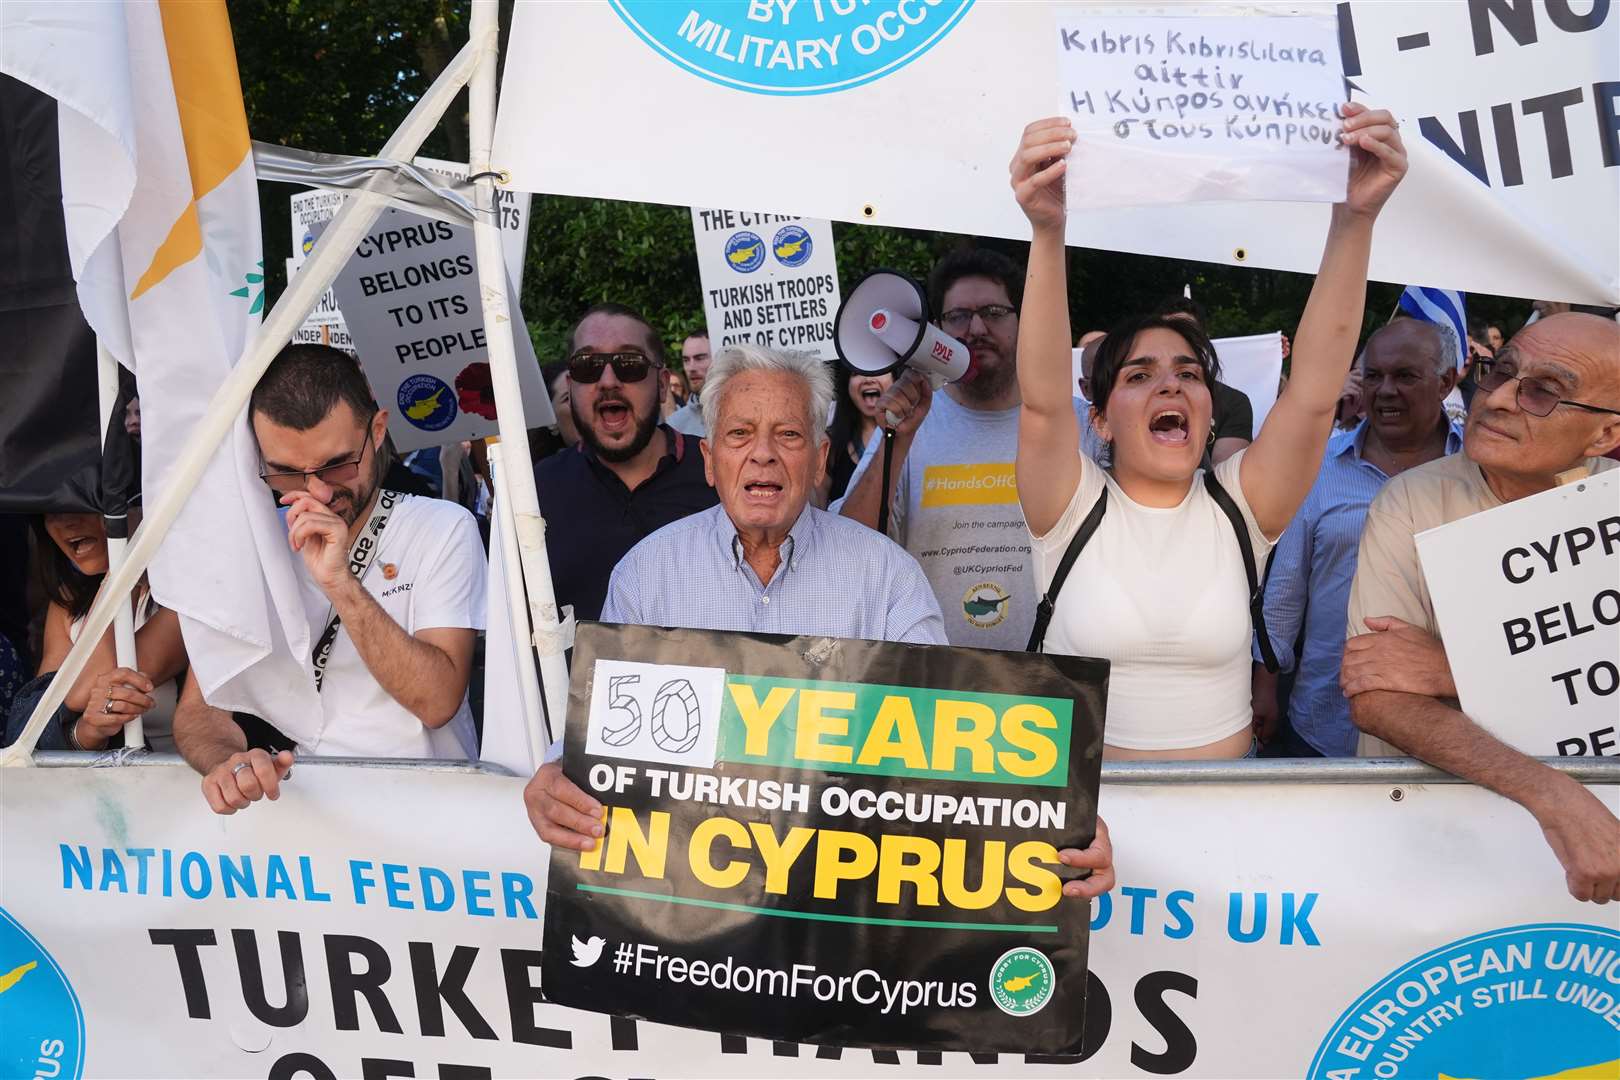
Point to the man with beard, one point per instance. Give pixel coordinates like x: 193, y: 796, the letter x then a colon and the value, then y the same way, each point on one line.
x: 954, y: 503
x: 393, y: 587
x: 695, y: 361
x: 1547, y: 409
x: 630, y: 475
x: 1406, y: 371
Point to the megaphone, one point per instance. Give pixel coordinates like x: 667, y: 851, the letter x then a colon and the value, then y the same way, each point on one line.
x: 883, y: 326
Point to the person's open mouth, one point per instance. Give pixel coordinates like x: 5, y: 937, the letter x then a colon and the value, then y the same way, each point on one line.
x: 762, y: 491
x: 613, y: 416
x: 1389, y: 413
x: 1169, y: 427
x: 80, y: 547
x: 871, y: 394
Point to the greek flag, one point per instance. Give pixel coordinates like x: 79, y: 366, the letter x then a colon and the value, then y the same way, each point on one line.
x: 1443, y: 308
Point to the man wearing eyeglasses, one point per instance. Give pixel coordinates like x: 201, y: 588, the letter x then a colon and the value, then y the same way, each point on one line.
x: 630, y: 475
x: 1548, y: 403
x: 954, y: 503
x: 393, y: 587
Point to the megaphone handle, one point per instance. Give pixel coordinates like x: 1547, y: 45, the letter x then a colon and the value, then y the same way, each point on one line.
x: 888, y: 467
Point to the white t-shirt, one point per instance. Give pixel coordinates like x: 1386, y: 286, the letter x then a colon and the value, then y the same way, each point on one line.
x: 1162, y: 594
x: 429, y: 572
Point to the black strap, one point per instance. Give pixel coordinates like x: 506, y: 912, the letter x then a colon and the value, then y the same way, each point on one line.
x: 361, y: 554
x: 1048, y: 604
x: 888, y: 469
x: 1257, y: 614
x: 1257, y: 592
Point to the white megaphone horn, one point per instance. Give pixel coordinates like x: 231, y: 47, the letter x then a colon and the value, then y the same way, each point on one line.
x: 883, y: 326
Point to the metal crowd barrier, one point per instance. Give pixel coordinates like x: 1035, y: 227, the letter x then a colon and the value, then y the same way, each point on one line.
x: 1588, y: 770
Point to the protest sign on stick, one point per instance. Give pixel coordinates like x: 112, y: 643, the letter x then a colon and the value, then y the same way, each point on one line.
x: 770, y: 279
x: 1176, y: 109
x: 409, y: 297
x: 1527, y: 596
x: 841, y: 842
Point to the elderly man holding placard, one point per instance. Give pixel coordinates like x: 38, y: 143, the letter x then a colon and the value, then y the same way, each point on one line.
x: 1547, y: 404
x: 772, y: 563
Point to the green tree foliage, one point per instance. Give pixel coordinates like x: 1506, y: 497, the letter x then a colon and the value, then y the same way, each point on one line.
x: 340, y: 75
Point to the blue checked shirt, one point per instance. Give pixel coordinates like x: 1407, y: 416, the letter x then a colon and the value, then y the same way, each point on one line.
x: 1312, y: 569
x: 837, y: 578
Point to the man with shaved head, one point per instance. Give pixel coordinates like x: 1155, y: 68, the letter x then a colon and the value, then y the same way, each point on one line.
x: 1547, y: 404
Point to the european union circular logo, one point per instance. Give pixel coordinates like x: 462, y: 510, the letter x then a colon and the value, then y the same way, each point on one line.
x: 309, y: 243
x: 822, y: 47
x: 427, y: 402
x: 43, y: 1029
x: 1520, y: 1001
x: 745, y: 252
x: 791, y: 246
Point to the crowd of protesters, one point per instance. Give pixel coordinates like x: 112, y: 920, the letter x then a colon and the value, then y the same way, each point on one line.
x: 741, y: 490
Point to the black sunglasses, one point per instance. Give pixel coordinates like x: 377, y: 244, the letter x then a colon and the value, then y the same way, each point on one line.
x: 628, y: 366
x: 1535, y: 396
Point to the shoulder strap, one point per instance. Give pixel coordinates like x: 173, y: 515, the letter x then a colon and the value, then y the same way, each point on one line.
x: 361, y: 554
x: 1257, y: 594
x: 1048, y: 604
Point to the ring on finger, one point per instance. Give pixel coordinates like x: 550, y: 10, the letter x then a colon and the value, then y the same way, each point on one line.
x: 240, y: 765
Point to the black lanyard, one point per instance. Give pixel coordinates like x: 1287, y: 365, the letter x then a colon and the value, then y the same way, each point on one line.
x: 361, y: 555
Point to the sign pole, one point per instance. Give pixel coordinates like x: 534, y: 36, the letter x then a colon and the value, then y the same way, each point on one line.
x: 117, y: 546
x: 551, y: 634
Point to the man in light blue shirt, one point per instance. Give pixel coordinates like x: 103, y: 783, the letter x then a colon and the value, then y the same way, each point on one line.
x: 1406, y: 373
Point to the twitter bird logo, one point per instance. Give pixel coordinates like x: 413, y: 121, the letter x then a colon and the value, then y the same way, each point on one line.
x: 587, y: 952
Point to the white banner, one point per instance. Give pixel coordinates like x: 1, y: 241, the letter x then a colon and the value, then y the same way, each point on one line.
x: 1252, y: 364
x: 905, y: 113
x: 767, y: 278
x: 386, y: 923
x: 1153, y: 127
x: 1527, y: 596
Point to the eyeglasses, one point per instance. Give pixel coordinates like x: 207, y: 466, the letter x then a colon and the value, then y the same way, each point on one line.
x: 957, y: 320
x: 1535, y: 396
x: 628, y: 367
x: 339, y: 474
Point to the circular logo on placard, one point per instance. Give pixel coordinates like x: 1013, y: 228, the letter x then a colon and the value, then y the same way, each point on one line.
x: 1525, y: 1001
x: 745, y: 252
x: 819, y: 47
x: 985, y: 604
x: 427, y: 402
x: 791, y: 245
x: 1022, y: 981
x: 309, y: 243
x: 41, y: 1021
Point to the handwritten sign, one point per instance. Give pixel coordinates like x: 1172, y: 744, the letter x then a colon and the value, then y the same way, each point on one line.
x: 1178, y: 109
x: 770, y: 279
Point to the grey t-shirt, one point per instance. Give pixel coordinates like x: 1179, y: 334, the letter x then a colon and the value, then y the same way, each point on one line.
x: 956, y: 511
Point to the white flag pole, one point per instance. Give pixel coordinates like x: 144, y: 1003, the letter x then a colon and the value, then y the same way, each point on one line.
x: 117, y: 546
x: 351, y: 223
x: 517, y: 610
x: 551, y: 635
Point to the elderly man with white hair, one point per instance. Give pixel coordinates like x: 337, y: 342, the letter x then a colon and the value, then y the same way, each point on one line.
x: 766, y: 561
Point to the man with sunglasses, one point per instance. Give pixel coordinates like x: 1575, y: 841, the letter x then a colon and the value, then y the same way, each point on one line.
x: 630, y: 475
x: 1547, y: 404
x: 954, y: 504
x: 393, y: 587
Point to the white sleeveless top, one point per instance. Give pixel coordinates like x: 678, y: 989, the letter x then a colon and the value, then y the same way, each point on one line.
x: 157, y: 725
x: 1162, y: 594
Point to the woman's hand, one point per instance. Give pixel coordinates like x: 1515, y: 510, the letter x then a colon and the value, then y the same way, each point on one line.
x: 1037, y: 172
x: 1377, y: 158
x: 117, y: 696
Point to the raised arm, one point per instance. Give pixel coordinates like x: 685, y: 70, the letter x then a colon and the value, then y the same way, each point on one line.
x: 1287, y: 453
x: 1048, y: 463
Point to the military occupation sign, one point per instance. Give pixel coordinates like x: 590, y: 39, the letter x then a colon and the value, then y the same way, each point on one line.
x: 826, y: 841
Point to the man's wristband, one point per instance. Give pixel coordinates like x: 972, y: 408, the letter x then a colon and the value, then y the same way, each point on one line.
x: 72, y: 731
